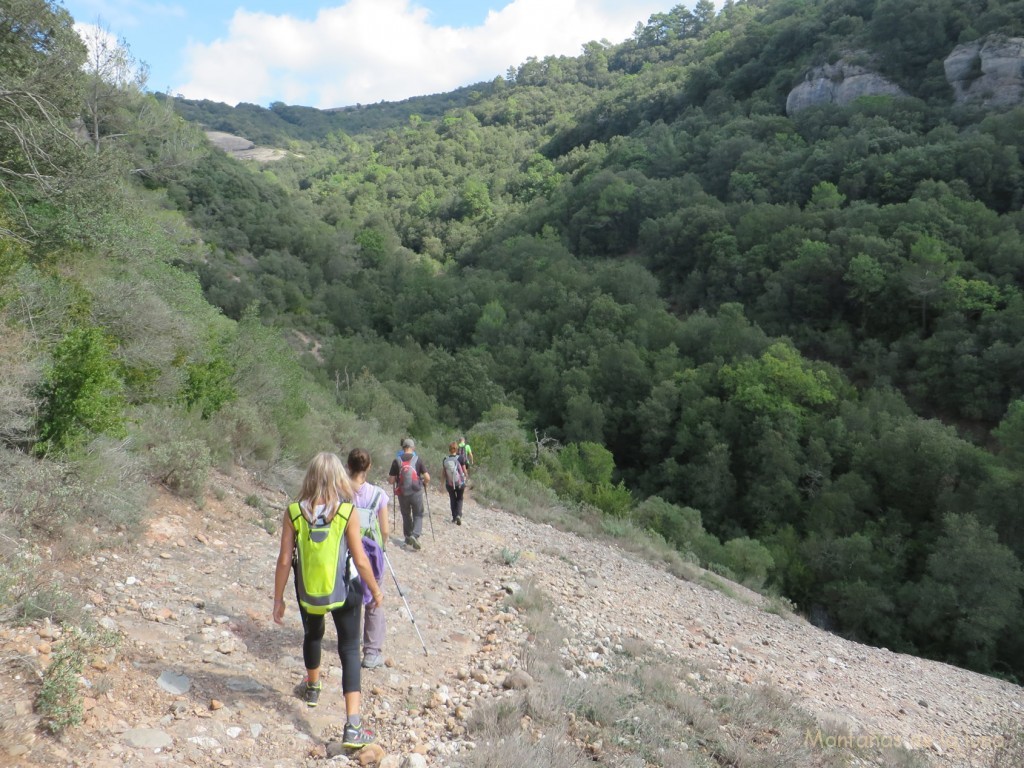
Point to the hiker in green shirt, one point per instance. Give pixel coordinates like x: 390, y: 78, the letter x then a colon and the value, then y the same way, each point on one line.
x: 466, y: 452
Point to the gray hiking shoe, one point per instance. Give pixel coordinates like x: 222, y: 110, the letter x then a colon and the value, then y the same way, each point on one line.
x: 373, y: 662
x: 416, y: 543
x: 355, y: 737
x: 312, y: 693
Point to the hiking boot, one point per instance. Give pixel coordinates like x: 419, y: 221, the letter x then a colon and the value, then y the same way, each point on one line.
x: 312, y: 694
x: 416, y: 543
x: 355, y: 737
x: 458, y: 520
x: 372, y: 662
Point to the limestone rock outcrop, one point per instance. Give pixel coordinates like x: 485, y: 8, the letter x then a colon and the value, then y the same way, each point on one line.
x: 989, y: 72
x: 840, y: 83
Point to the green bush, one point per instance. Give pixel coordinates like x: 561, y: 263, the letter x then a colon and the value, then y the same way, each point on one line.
x: 208, y: 386
x: 583, y: 472
x: 25, y: 593
x: 369, y: 399
x: 749, y: 559
x: 82, y: 393
x: 614, y: 500
x: 681, y: 526
x: 499, y: 441
x: 59, y: 702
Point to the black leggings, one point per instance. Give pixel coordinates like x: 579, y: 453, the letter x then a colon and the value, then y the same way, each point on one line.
x: 455, y: 499
x: 347, y: 621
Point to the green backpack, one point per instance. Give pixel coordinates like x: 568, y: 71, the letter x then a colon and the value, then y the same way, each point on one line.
x: 323, y: 561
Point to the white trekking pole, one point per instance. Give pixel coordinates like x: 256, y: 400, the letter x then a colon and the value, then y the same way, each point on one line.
x: 407, y: 608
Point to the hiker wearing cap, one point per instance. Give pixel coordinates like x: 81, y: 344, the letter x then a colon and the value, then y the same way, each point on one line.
x: 409, y: 477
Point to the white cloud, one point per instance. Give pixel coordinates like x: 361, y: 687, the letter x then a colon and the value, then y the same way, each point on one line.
x: 109, y: 56
x: 372, y: 50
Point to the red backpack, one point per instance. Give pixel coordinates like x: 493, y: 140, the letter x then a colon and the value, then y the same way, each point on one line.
x: 408, y: 478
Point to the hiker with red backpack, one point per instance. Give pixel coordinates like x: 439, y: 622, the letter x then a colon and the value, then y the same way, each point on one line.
x: 456, y: 473
x: 409, y: 477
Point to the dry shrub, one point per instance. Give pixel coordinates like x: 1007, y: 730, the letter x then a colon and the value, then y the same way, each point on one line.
x: 170, y: 442
x: 244, y: 433
x: 518, y: 750
x: 73, y: 503
x: 1009, y: 751
x: 22, y: 373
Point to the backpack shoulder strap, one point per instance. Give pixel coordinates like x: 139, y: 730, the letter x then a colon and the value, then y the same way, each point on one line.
x: 294, y: 512
x: 344, y: 511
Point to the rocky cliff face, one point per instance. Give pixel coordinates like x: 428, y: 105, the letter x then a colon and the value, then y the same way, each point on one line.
x: 839, y: 83
x: 989, y: 71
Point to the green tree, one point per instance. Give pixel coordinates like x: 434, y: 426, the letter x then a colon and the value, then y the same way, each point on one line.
x: 926, y: 273
x: 779, y: 381
x: 866, y: 279
x: 208, y: 386
x: 82, y: 393
x: 970, y: 593
x: 1010, y: 434
x: 749, y: 559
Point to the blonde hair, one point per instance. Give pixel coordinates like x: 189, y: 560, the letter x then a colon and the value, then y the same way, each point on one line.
x: 326, y: 481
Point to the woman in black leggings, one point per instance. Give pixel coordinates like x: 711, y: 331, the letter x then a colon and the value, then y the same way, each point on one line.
x: 346, y: 621
x: 324, y: 488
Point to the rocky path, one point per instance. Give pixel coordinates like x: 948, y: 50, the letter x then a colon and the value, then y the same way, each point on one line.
x: 204, y: 677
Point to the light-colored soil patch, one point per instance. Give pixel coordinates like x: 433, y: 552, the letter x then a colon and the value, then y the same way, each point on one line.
x: 243, y: 148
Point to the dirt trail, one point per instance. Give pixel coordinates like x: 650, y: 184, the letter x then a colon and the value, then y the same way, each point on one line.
x: 193, y: 604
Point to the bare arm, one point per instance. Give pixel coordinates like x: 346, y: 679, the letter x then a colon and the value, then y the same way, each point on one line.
x: 382, y: 520
x: 284, y: 566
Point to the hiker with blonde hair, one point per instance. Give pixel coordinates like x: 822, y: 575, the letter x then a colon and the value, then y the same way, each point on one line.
x: 319, y: 536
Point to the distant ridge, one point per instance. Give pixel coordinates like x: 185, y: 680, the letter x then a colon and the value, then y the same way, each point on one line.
x: 281, y: 122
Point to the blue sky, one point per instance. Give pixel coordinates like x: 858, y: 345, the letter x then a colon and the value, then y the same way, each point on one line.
x: 349, y: 51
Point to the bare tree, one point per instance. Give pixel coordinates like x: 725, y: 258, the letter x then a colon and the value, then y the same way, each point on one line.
x: 115, y: 76
x: 41, y: 83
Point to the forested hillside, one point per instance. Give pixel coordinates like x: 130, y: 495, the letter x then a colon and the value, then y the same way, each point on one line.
x: 789, y: 342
